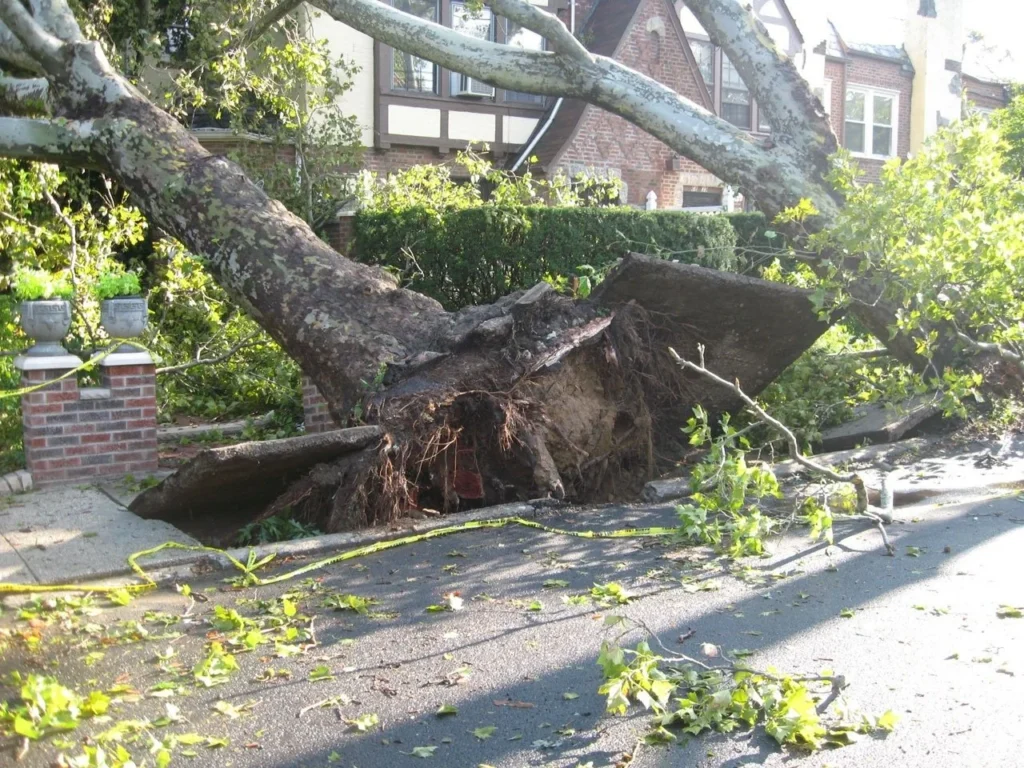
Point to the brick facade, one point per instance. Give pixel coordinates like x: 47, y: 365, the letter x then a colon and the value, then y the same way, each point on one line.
x: 606, y: 142
x: 984, y: 94
x: 872, y: 73
x: 74, y: 433
x: 315, y: 415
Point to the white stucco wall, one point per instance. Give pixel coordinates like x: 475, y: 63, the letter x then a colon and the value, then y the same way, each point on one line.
x: 357, y: 48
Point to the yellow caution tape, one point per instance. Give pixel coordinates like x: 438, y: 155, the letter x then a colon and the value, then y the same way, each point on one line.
x: 250, y: 578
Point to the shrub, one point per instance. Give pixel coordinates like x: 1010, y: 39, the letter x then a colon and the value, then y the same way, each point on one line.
x: 35, y: 284
x: 112, y: 285
x: 477, y: 255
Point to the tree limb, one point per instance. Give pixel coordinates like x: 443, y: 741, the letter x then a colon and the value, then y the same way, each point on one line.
x: 19, y: 95
x: 48, y: 141
x: 990, y: 346
x: 261, y: 25
x: 780, y: 175
x: 37, y: 42
x: 545, y: 24
x: 794, y: 113
x: 794, y: 446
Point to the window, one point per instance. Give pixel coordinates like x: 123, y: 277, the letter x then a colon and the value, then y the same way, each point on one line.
x: 477, y: 24
x: 703, y: 200
x: 735, y: 96
x: 704, y: 53
x: 870, y: 122
x: 408, y: 72
x: 530, y: 41
x: 763, y: 126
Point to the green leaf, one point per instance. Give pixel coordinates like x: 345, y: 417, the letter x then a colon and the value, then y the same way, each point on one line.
x: 365, y: 722
x: 423, y: 752
x: 447, y: 709
x: 887, y: 721
x: 555, y: 583
x: 484, y: 732
x: 318, y: 674
x: 847, y: 613
x: 120, y: 596
x: 569, y: 695
x: 1010, y: 612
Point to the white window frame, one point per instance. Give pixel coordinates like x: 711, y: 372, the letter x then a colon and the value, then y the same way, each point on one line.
x: 869, y: 93
x: 826, y: 95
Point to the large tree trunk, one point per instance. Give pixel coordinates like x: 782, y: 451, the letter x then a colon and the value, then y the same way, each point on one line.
x: 534, y: 395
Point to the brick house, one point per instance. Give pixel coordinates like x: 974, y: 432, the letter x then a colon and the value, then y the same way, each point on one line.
x: 883, y: 100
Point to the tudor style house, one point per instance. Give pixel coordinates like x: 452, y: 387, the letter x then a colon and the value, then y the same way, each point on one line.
x: 883, y: 100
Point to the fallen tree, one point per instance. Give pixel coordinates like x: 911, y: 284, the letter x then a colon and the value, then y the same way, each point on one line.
x: 535, y: 393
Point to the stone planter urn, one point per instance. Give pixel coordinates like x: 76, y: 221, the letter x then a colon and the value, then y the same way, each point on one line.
x: 46, y: 322
x: 125, y: 317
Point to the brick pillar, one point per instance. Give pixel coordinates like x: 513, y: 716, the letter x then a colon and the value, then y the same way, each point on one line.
x: 73, y: 433
x: 49, y: 418
x: 130, y: 379
x: 341, y: 232
x: 315, y: 414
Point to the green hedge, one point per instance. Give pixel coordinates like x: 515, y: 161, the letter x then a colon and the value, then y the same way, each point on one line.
x: 757, y: 242
x: 477, y: 255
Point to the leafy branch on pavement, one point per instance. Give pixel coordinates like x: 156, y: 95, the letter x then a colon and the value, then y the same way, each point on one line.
x: 878, y: 516
x: 689, y: 695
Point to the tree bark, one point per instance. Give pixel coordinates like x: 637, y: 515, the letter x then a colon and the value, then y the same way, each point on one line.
x: 534, y: 395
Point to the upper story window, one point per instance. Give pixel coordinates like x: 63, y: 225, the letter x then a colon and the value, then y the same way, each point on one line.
x: 529, y: 40
x: 704, y: 53
x: 478, y: 25
x: 729, y: 93
x: 411, y: 75
x: 735, y: 97
x: 408, y: 72
x: 870, y: 122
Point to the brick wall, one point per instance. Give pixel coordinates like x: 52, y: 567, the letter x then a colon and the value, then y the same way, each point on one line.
x: 75, y: 434
x: 315, y: 415
x: 606, y: 141
x: 836, y: 72
x: 892, y: 76
x: 983, y: 94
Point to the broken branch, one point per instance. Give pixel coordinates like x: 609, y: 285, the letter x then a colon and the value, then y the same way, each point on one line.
x: 794, y: 446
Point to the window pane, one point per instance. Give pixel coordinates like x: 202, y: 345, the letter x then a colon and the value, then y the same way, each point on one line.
x: 853, y: 137
x: 476, y: 24
x: 762, y: 124
x: 881, y: 141
x: 883, y: 110
x: 735, y: 96
x: 530, y: 41
x: 854, y: 106
x: 411, y: 73
x: 704, y: 52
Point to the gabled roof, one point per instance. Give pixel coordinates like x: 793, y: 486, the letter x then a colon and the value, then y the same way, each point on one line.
x: 786, y: 14
x: 605, y: 30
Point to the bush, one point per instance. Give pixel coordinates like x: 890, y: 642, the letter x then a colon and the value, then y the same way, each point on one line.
x: 477, y: 255
x: 758, y: 244
x: 112, y: 285
x: 35, y: 284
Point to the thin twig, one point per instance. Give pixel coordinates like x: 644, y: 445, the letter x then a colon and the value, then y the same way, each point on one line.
x: 243, y: 344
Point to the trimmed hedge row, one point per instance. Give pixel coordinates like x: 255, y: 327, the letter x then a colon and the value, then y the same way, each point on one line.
x: 477, y: 255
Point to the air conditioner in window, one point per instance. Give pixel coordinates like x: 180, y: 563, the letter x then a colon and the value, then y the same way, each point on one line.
x: 470, y: 88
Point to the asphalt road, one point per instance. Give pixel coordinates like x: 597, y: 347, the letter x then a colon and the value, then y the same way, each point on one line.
x: 924, y: 640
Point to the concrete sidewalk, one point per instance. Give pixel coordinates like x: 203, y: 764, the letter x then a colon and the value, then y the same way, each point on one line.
x: 69, y: 534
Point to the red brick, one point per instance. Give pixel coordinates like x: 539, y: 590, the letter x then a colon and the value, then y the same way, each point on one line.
x: 82, y: 450
x: 100, y: 437
x: 47, y: 408
x: 140, y: 402
x: 143, y: 466
x: 149, y: 413
x: 36, y: 442
x: 62, y: 397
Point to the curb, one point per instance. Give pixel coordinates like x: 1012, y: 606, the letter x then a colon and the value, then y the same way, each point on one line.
x: 19, y: 481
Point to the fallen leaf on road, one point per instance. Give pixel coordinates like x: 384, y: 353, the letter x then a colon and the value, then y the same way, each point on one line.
x: 514, y: 704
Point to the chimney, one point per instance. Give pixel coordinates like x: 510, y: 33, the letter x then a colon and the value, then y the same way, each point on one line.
x: 934, y: 41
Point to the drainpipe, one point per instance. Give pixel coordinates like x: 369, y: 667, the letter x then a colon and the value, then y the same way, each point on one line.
x: 554, y: 110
